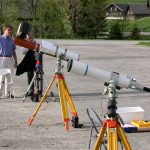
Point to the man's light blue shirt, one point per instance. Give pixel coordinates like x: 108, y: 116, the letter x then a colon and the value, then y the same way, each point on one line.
x: 6, y: 46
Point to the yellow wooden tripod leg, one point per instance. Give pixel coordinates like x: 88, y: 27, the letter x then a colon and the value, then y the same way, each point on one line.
x: 112, y: 138
x: 123, y: 138
x: 68, y: 96
x: 41, y: 101
x: 100, y: 138
x: 63, y: 102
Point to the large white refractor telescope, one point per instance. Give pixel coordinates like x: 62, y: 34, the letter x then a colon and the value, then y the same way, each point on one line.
x: 45, y: 47
x: 48, y: 48
x: 122, y: 81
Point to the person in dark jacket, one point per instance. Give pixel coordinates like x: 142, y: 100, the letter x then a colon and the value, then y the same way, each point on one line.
x: 28, y: 63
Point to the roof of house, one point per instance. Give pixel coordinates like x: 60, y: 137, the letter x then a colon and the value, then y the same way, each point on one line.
x: 139, y: 8
x: 122, y: 7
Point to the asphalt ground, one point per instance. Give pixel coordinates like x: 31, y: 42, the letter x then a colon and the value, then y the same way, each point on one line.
x: 47, y: 131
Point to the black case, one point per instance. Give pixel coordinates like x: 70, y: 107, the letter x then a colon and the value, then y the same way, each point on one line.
x: 23, y: 30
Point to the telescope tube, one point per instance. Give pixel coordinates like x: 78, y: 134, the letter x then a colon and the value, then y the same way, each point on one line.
x: 85, y: 70
x: 122, y: 81
x: 47, y: 48
x: 51, y: 49
x: 27, y: 44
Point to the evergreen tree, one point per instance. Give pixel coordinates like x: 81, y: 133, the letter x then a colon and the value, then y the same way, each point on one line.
x: 50, y: 20
x: 135, y: 33
x: 115, y: 31
x: 91, y: 18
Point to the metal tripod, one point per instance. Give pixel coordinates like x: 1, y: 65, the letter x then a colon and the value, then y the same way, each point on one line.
x: 38, y: 77
x: 111, y: 125
x: 64, y: 98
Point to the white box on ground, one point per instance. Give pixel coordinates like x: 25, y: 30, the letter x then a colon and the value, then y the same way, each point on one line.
x: 130, y: 113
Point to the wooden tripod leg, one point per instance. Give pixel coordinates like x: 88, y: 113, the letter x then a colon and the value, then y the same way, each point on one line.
x: 61, y: 90
x: 123, y: 138
x: 69, y: 98
x: 112, y: 138
x: 100, y: 138
x: 41, y: 101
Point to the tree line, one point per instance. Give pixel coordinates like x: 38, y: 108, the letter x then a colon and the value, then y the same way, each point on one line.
x: 56, y: 18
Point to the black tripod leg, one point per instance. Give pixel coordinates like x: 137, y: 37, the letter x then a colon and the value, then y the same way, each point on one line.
x: 41, y: 84
x: 29, y: 87
x: 36, y: 94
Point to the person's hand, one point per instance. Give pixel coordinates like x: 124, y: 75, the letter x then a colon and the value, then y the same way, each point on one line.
x: 38, y: 67
x: 15, y: 65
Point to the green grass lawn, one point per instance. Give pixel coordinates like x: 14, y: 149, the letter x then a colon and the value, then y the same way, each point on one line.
x: 144, y: 43
x: 144, y: 24
x: 127, y: 1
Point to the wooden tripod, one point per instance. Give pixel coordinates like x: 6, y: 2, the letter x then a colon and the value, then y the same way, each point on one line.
x: 64, y: 98
x: 111, y: 125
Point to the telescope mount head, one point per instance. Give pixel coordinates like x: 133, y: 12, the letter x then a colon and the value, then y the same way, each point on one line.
x: 60, y: 66
x: 111, y: 104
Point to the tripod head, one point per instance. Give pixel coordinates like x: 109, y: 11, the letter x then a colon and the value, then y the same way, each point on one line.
x: 111, y: 104
x: 110, y: 90
x: 60, y: 66
x: 39, y: 61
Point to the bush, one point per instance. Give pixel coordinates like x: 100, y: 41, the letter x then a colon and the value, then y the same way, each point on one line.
x: 135, y: 33
x: 115, y: 31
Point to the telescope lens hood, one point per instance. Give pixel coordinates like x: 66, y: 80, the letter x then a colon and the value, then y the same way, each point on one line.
x: 69, y: 65
x: 146, y: 89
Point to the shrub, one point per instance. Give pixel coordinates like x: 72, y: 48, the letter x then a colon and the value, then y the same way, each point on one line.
x: 135, y: 33
x: 115, y: 31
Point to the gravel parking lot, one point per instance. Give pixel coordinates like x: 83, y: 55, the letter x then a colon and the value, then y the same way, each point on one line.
x: 47, y: 131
